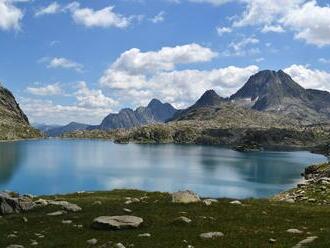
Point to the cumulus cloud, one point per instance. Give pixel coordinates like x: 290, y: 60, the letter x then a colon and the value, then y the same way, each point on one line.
x: 309, y: 78
x: 52, y: 8
x: 223, y: 30
x: 139, y: 76
x: 243, y: 47
x: 10, y: 15
x: 105, y: 17
x: 65, y: 63
x: 48, y: 90
x: 88, y: 106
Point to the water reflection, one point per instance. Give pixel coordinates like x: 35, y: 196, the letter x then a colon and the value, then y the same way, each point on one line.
x: 10, y: 155
x: 54, y: 166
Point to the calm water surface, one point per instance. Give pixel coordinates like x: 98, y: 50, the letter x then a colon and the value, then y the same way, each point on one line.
x: 57, y: 166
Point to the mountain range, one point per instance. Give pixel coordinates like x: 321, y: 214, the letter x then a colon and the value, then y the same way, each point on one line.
x: 271, y: 95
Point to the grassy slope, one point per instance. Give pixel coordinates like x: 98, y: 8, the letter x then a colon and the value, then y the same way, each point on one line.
x: 249, y: 225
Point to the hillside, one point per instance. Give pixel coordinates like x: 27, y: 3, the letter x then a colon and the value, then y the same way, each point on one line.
x: 14, y: 124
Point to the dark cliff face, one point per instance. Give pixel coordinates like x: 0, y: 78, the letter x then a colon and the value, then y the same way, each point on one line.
x: 155, y: 112
x: 9, y: 108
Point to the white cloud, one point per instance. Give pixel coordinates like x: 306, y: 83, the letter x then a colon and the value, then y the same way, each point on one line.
x: 223, y: 30
x: 88, y: 98
x: 134, y: 61
x: 52, y: 8
x: 309, y: 78
x: 65, y: 63
x: 10, y: 16
x: 89, y: 106
x: 273, y: 28
x: 160, y: 17
x: 243, y: 47
x: 48, y: 90
x: 310, y: 22
x: 214, y: 2
x: 137, y: 77
x: 324, y: 61
x: 105, y: 17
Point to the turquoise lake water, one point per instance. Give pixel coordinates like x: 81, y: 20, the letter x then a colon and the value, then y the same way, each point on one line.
x: 63, y: 166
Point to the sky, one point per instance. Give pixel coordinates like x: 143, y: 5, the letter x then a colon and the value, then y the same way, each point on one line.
x: 81, y: 60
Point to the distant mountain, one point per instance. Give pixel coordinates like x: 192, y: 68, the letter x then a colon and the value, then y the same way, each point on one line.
x: 45, y: 127
x: 59, y: 130
x: 208, y: 100
x: 155, y: 112
x: 14, y: 124
x: 277, y: 92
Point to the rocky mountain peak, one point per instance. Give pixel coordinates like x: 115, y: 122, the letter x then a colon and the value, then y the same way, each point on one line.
x: 209, y: 98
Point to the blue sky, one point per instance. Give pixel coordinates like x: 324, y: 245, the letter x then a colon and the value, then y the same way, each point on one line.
x: 80, y: 60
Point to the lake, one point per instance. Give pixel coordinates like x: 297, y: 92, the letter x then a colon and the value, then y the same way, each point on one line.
x: 63, y: 166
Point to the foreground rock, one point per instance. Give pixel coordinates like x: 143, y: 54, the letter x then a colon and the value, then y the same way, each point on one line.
x: 211, y: 235
x: 185, y: 197
x: 11, y: 203
x: 66, y: 205
x: 117, y: 222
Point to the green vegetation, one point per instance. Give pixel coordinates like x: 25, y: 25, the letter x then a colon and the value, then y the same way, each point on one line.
x: 17, y: 132
x: 251, y: 224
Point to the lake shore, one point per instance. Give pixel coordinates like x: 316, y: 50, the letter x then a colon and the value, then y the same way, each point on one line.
x: 168, y: 223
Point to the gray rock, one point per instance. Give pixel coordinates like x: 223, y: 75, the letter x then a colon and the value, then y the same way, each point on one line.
x: 294, y: 231
x: 208, y: 202
x: 305, y: 242
x: 235, y: 202
x: 14, y: 204
x: 57, y: 213
x: 117, y: 222
x: 119, y: 245
x: 211, y: 235
x: 66, y: 205
x: 182, y: 219
x: 92, y: 242
x: 142, y: 235
x: 15, y: 246
x: 66, y: 221
x: 185, y: 197
x: 127, y: 210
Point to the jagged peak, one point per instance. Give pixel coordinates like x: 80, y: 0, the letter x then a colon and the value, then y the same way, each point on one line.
x: 154, y: 102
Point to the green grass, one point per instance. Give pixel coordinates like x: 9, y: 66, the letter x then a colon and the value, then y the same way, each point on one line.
x: 249, y: 225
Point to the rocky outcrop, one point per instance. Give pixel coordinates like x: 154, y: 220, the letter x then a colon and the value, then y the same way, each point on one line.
x: 185, y: 197
x: 14, y: 124
x: 12, y: 203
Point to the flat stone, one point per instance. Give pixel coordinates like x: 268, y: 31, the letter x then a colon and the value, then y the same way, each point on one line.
x: 272, y: 241
x: 142, y: 235
x: 185, y: 197
x: 66, y: 221
x: 92, y: 241
x: 57, y: 213
x: 211, y: 235
x: 97, y: 203
x: 66, y: 205
x: 182, y: 219
x: 117, y: 222
x: 294, y: 231
x: 236, y: 202
x: 127, y: 210
x: 306, y: 241
x: 15, y: 246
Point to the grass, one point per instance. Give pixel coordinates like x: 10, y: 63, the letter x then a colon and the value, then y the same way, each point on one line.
x: 249, y: 225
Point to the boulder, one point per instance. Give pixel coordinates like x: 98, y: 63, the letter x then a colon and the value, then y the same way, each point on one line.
x: 117, y: 222
x: 66, y: 205
x: 10, y: 203
x: 185, y: 197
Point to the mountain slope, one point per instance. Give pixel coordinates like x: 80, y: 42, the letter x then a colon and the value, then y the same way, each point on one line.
x: 277, y: 92
x: 14, y: 124
x: 208, y: 100
x: 58, y: 131
x: 155, y: 112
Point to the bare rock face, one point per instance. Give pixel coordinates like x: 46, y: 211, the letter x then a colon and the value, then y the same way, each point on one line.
x: 14, y: 204
x: 185, y: 197
x: 117, y: 222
